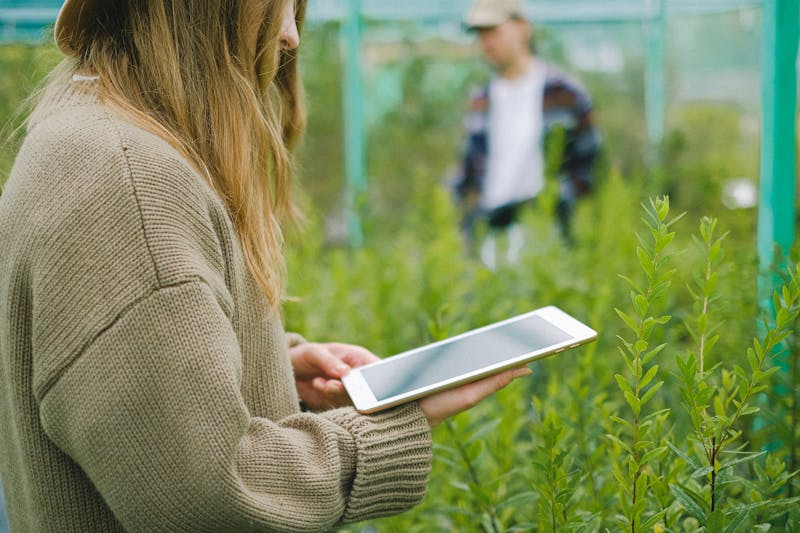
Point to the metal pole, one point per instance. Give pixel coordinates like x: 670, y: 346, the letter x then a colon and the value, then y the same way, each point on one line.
x: 655, y: 78
x: 778, y: 111
x: 777, y: 186
x: 354, y: 141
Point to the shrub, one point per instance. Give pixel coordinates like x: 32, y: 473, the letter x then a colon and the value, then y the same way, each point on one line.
x: 666, y: 445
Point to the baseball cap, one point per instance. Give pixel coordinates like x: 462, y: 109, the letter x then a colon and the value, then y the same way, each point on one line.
x: 489, y: 13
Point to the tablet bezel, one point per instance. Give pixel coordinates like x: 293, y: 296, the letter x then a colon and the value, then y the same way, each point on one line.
x: 365, y: 401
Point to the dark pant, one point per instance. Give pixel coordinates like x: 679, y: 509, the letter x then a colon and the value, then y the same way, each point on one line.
x: 505, y: 215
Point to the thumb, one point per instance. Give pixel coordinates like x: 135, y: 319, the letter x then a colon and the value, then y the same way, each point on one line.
x: 504, y: 378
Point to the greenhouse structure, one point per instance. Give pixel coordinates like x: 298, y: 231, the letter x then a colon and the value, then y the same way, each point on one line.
x: 603, y: 38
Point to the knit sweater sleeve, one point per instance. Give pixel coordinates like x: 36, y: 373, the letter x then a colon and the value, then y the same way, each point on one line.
x: 152, y: 412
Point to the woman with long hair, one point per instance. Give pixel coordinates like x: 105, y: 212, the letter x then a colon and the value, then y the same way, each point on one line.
x: 147, y: 380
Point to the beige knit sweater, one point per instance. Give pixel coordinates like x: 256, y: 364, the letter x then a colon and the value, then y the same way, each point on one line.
x: 145, y: 384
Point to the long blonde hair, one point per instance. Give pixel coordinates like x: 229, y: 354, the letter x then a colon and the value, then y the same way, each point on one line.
x: 210, y: 77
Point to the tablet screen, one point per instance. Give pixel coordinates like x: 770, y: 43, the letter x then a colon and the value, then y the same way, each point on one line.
x: 461, y: 356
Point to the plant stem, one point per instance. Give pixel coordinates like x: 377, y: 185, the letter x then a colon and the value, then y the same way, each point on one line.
x: 582, y: 422
x: 633, y: 520
x: 713, y: 473
x: 705, y: 312
x: 636, y: 460
x: 793, y: 362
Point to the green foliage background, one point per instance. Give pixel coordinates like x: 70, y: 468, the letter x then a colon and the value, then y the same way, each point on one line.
x: 551, y: 452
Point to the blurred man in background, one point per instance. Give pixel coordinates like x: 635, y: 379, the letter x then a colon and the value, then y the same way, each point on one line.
x: 503, y: 165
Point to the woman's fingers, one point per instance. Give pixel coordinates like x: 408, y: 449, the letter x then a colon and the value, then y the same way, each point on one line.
x: 317, y: 360
x: 443, y: 405
x: 330, y: 360
x: 353, y: 355
x: 329, y: 387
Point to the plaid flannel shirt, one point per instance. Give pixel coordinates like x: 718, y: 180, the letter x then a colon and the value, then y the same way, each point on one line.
x: 565, y: 105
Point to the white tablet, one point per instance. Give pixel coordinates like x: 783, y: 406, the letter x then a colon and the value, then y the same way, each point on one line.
x: 464, y: 358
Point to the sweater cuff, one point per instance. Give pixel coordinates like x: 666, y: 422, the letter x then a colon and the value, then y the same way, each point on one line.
x: 293, y: 339
x: 393, y: 460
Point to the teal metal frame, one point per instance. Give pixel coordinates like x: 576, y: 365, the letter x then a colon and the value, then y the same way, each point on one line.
x: 776, y: 210
x: 655, y: 84
x: 354, y: 134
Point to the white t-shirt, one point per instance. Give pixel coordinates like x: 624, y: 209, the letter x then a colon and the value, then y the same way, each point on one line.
x: 515, y: 167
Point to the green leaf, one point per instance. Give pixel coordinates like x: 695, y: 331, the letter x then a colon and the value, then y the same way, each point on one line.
x: 710, y: 343
x: 460, y: 485
x: 702, y: 323
x: 769, y: 372
x: 641, y: 488
x: 700, y: 472
x: 745, y: 459
x: 483, y: 430
x: 647, y: 327
x: 719, y: 406
x: 640, y: 346
x: 489, y: 524
x: 518, y: 499
x: 649, y: 456
x: 630, y: 282
x: 760, y: 505
x: 622, y: 444
x: 736, y: 522
x: 646, y: 358
x: 716, y: 521
x: 712, y: 283
x: 623, y: 385
x: 624, y: 488
x: 654, y: 415
x: 750, y: 410
x: 621, y: 421
x: 684, y: 365
x: 645, y: 261
x: 649, y: 394
x: 475, y: 450
x: 634, y: 402
x: 628, y: 320
x: 688, y: 503
x: 648, y: 524
x: 641, y: 304
x: 648, y: 377
x: 662, y: 207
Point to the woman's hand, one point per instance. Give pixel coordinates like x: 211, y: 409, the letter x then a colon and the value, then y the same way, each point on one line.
x: 319, y: 367
x: 443, y: 405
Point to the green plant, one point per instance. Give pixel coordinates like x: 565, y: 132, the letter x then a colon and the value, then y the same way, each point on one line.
x: 717, y: 400
x: 640, y: 387
x: 535, y: 455
x: 555, y: 476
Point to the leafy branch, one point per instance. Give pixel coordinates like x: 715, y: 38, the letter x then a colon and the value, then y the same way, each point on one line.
x: 556, y: 475
x: 731, y: 393
x: 641, y: 385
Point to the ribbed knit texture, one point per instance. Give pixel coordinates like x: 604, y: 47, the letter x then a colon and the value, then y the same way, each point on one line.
x: 145, y: 382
